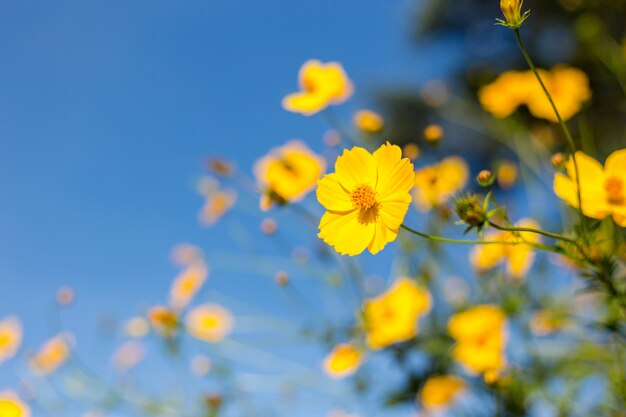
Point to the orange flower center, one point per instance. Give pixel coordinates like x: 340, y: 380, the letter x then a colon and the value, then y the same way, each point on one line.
x: 5, y: 340
x: 363, y: 197
x: 614, y: 188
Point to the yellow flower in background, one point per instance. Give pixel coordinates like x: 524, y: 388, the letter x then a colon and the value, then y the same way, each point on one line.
x: 506, y: 174
x: 12, y: 406
x: 218, y: 201
x: 433, y: 133
x: 128, y: 355
x: 209, y: 322
x: 435, y: 184
x: 52, y: 354
x: 164, y: 320
x: 136, y: 327
x: 602, y: 190
x: 480, y: 335
x: 10, y: 337
x: 368, y: 121
x: 440, y: 391
x: 518, y: 258
x: 366, y: 199
x: 187, y: 284
x: 321, y: 85
x: 569, y: 88
x: 392, y: 316
x: 343, y: 360
x: 287, y: 173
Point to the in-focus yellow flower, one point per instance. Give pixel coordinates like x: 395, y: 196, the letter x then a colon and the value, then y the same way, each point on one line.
x: 435, y: 184
x: 321, y: 85
x: 602, y: 190
x: 287, y: 173
x: 187, y: 284
x: 343, y: 360
x: 366, y: 199
x: 569, y: 88
x: 12, y: 406
x: 440, y: 391
x: 392, y: 316
x: 512, y: 11
x: 368, y: 121
x: 164, y: 320
x: 518, y: 258
x: 480, y: 335
x: 52, y: 354
x: 209, y: 322
x: 433, y: 133
x: 10, y: 337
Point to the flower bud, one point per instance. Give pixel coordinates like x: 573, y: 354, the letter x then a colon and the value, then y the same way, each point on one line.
x: 512, y: 11
x: 558, y: 160
x: 469, y: 209
x: 485, y: 178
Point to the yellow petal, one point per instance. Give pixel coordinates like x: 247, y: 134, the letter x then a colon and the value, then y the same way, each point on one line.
x: 332, y: 195
x: 355, y: 167
x: 345, y: 233
x: 395, y: 174
x: 615, y: 165
x: 306, y: 103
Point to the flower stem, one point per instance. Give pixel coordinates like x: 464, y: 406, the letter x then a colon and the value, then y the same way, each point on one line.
x: 564, y: 127
x: 532, y: 230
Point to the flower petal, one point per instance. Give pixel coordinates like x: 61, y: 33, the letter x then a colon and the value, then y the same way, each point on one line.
x: 345, y: 233
x: 332, y: 195
x: 355, y: 167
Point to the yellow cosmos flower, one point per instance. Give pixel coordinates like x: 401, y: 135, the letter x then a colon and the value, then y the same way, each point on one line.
x: 321, y: 85
x: 518, y: 258
x: 506, y: 174
x: 366, y: 199
x: 440, y: 391
x: 602, y: 190
x: 368, y: 121
x: 186, y: 285
x: 480, y: 335
x: 209, y: 322
x: 10, y: 337
x: 569, y: 88
x: 288, y: 173
x: 12, y: 406
x: 392, y: 316
x: 164, y: 320
x: 52, y: 354
x: 343, y: 360
x: 435, y: 184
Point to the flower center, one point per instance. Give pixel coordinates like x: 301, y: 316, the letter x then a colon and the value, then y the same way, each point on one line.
x: 363, y: 197
x: 614, y: 188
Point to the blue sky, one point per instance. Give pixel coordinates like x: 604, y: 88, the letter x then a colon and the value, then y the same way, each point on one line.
x: 107, y: 111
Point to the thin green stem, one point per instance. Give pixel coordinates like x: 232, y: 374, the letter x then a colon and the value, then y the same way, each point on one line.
x: 564, y: 127
x: 532, y: 230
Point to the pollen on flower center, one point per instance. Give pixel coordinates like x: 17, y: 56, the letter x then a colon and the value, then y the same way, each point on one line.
x: 614, y: 188
x: 363, y: 197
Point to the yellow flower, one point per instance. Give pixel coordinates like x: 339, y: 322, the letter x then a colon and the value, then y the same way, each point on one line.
x: 480, y: 335
x: 569, y: 88
x: 506, y: 174
x: 392, y: 316
x: 433, y: 133
x: 186, y: 285
x: 288, y: 173
x: 12, y: 406
x: 209, y: 322
x: 440, y: 391
x: 602, y: 190
x: 366, y: 199
x: 435, y: 184
x: 518, y: 258
x: 368, y: 121
x: 52, y: 354
x: 512, y: 11
x: 10, y: 337
x: 321, y: 85
x: 164, y: 320
x: 545, y: 322
x: 343, y: 360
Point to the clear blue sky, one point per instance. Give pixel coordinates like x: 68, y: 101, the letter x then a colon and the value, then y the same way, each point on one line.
x: 107, y: 111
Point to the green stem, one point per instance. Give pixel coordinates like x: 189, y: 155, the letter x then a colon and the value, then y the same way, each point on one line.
x: 568, y: 135
x: 532, y: 230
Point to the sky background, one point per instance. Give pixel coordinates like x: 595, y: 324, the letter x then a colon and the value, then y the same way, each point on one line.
x: 107, y: 113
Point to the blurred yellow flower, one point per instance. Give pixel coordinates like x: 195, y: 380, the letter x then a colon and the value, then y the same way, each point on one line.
x: 569, y: 88
x: 433, y: 133
x: 209, y: 322
x: 366, y: 199
x: 440, y: 391
x: 368, y: 121
x: 435, y: 184
x: 137, y: 327
x: 321, y: 85
x: 128, y: 355
x: 52, y: 354
x: 12, y: 406
x: 506, y: 174
x: 343, y: 360
x: 392, y: 316
x: 187, y: 284
x: 411, y: 151
x: 545, y: 322
x: 602, y: 190
x: 287, y: 173
x: 518, y: 258
x: 216, y: 205
x: 164, y: 320
x: 480, y: 335
x: 10, y: 337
